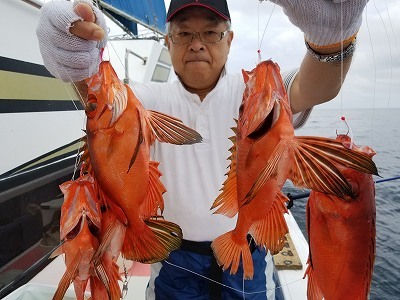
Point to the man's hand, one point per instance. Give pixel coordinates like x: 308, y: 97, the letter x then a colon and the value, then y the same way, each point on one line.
x: 71, y: 37
x: 325, y: 23
x: 87, y: 28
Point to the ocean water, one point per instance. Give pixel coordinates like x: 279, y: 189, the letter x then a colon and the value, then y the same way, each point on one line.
x: 379, y: 129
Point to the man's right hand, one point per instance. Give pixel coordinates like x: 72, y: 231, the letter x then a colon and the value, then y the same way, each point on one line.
x: 71, y: 37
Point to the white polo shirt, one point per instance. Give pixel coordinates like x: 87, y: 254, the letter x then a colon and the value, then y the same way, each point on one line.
x: 193, y: 174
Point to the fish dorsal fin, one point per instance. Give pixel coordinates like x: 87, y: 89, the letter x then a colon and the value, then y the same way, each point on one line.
x: 169, y: 129
x: 227, y: 202
x: 156, y: 189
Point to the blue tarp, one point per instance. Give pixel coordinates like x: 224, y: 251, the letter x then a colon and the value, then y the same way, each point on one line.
x: 150, y: 12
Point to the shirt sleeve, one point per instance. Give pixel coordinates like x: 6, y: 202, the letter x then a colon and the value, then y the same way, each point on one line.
x: 300, y: 118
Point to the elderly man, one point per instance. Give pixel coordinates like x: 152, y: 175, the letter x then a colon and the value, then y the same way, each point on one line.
x: 207, y: 99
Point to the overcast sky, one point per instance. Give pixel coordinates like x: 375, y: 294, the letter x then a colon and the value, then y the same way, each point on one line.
x: 374, y: 78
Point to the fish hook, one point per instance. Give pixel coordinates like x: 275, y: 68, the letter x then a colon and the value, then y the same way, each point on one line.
x: 349, y: 132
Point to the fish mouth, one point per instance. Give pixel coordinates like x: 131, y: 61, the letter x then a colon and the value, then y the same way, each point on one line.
x: 94, y: 230
x: 266, y: 125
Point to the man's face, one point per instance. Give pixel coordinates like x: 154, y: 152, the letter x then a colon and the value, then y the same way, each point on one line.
x: 199, y: 64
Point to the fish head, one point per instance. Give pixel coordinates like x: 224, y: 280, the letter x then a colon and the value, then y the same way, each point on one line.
x: 359, y: 181
x: 80, y: 205
x: 348, y: 143
x: 263, y: 95
x: 107, y: 96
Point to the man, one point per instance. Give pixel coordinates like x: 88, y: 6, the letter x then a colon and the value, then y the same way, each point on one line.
x: 206, y: 99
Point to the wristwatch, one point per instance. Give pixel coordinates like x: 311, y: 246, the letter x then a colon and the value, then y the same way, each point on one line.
x: 334, y: 57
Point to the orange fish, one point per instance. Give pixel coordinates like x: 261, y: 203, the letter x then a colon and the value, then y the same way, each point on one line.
x: 119, y: 135
x: 341, y: 234
x: 264, y: 155
x: 80, y: 222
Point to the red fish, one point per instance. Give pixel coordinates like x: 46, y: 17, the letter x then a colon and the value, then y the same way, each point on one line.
x: 265, y: 154
x: 80, y: 222
x: 341, y: 235
x: 119, y: 135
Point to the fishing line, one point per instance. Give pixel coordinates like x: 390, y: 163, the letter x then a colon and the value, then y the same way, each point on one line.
x: 392, y: 29
x: 265, y: 28
x: 77, y: 158
x: 341, y: 61
x: 391, y: 64
x: 390, y: 50
x: 375, y: 77
x: 227, y: 286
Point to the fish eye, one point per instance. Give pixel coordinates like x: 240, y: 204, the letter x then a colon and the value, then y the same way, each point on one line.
x: 92, y: 106
x: 91, y: 103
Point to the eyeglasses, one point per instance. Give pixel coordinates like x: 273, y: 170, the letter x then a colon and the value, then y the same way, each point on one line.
x: 208, y: 37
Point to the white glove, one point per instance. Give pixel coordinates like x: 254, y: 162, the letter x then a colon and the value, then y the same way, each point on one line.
x: 65, y: 55
x: 325, y: 23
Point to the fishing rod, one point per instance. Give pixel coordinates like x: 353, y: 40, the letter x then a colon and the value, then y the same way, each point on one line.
x: 306, y: 194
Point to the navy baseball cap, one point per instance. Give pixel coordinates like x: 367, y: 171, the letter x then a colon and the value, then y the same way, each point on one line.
x: 220, y: 7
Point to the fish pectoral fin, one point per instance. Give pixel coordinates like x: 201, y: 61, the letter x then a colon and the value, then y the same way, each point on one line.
x: 108, y: 273
x: 156, y: 189
x: 101, y: 273
x: 70, y: 273
x: 268, y: 172
x: 171, y: 130
x: 340, y: 154
x: 226, y: 202
x: 314, y: 165
x: 107, y: 237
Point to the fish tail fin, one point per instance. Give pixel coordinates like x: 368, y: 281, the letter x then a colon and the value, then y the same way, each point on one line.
x: 270, y: 231
x: 313, y: 289
x: 151, y: 241
x: 229, y: 250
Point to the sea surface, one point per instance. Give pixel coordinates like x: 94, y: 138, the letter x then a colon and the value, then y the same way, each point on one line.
x: 379, y: 129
